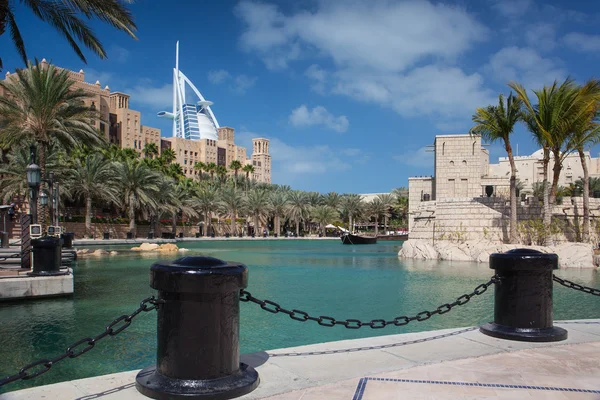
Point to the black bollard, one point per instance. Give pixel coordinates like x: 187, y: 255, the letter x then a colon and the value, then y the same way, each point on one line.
x: 47, y: 257
x: 523, y: 297
x: 198, y: 354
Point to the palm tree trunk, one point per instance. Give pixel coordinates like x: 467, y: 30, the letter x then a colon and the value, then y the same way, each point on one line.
x: 586, y: 197
x: 233, y: 223
x: 41, y: 209
x: 350, y: 223
x: 132, y: 214
x: 547, y: 213
x: 556, y: 175
x: 88, y: 216
x: 174, y: 222
x: 256, y: 224
x: 512, y: 237
x: 277, y: 230
x: 297, y: 227
x: 376, y: 225
x: 235, y: 179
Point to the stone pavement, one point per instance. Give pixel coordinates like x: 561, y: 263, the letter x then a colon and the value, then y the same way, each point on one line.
x: 446, y: 364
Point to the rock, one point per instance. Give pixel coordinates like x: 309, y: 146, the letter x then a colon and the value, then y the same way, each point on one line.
x: 183, y: 249
x: 168, y: 248
x: 99, y: 252
x: 570, y: 255
x: 113, y: 253
x: 146, y: 247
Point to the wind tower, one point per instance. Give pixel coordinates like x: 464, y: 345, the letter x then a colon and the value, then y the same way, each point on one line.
x: 191, y: 119
x: 261, y: 160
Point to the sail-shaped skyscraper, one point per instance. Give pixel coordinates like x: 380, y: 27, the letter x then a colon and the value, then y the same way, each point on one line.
x: 192, y: 119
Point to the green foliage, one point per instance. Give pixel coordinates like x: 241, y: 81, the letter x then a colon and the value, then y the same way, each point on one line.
x: 534, y: 232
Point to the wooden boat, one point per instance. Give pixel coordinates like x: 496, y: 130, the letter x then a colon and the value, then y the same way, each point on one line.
x: 348, y: 238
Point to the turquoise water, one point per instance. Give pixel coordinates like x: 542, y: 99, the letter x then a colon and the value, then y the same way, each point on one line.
x: 320, y: 277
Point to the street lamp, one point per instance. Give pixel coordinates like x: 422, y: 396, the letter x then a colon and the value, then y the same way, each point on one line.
x: 33, y: 181
x: 44, y: 198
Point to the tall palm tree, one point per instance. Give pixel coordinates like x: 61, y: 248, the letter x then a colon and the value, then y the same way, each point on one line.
x: 324, y: 214
x: 351, y: 206
x: 497, y: 123
x: 388, y: 200
x: 235, y: 166
x: 41, y: 106
x: 297, y: 207
x: 278, y: 206
x: 207, y: 202
x: 168, y: 156
x: 175, y: 171
x: 587, y: 134
x: 138, y: 186
x: 66, y: 18
x: 559, y: 111
x: 377, y: 208
x: 257, y: 206
x: 150, y: 150
x: 92, y: 179
x: 211, y: 168
x: 248, y: 169
x: 332, y: 199
x: 199, y: 166
x: 221, y: 173
x: 232, y: 202
x: 181, y: 201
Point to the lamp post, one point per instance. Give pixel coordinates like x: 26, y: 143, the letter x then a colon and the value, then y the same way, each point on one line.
x: 33, y: 181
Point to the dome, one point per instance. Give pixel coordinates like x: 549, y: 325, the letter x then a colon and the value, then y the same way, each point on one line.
x: 538, y: 154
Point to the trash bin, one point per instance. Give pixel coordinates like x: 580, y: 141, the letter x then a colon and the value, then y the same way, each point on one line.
x: 47, y: 256
x: 275, y: 235
x: 227, y: 235
x: 212, y: 235
x: 129, y: 235
x: 4, y: 239
x: 180, y: 235
x: 151, y: 235
x: 240, y: 234
x: 197, y: 234
x: 106, y: 236
x: 67, y: 238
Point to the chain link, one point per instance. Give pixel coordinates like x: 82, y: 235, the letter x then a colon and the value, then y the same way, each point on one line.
x: 325, y: 320
x: 82, y: 346
x: 576, y: 286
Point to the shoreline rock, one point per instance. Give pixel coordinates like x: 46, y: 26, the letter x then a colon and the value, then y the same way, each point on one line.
x: 165, y: 247
x: 570, y: 255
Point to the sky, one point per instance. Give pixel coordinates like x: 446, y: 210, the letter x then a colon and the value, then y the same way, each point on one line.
x: 349, y: 92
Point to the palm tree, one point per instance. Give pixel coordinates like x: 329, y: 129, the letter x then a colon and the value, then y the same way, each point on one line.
x: 351, y: 206
x: 377, y: 208
x: 211, y: 168
x: 168, y: 156
x: 182, y: 201
x: 248, y: 169
x: 257, y: 206
x: 297, y: 207
x: 587, y: 134
x: 150, y: 150
x: 92, y: 178
x: 207, y: 203
x: 324, y: 214
x: 388, y: 200
x: 199, y: 166
x: 221, y: 173
x: 138, y: 186
x: 235, y: 166
x: 278, y: 206
x: 561, y: 109
x: 63, y: 16
x: 41, y: 106
x: 332, y: 199
x: 401, y: 206
x: 232, y: 202
x: 495, y: 123
x: 175, y: 171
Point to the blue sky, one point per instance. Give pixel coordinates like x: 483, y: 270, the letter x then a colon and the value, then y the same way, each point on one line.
x: 349, y: 92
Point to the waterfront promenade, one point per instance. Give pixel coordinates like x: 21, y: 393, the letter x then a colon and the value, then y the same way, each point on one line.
x: 456, y: 363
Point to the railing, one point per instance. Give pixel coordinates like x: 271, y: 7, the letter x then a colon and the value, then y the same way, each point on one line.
x: 210, y: 290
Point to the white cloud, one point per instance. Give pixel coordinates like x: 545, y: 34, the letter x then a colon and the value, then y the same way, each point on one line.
x: 118, y: 53
x: 582, y: 42
x: 242, y: 83
x: 238, y: 84
x: 105, y: 78
x: 421, y: 158
x: 293, y: 165
x: 318, y: 76
x: 156, y: 97
x: 513, y: 8
x: 219, y: 76
x: 396, y: 54
x: 525, y: 66
x: 381, y: 35
x: 319, y: 115
x: 541, y: 36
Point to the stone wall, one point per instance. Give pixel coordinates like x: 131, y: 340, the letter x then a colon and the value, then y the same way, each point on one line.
x: 488, y: 218
x: 119, y: 231
x: 417, y: 187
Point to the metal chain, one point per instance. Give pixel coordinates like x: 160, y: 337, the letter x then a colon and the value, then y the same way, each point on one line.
x: 77, y: 349
x: 325, y: 320
x: 576, y: 286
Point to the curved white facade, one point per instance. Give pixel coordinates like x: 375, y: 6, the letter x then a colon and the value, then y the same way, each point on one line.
x: 193, y: 121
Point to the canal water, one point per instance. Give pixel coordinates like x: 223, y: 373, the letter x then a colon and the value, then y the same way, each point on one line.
x: 321, y: 277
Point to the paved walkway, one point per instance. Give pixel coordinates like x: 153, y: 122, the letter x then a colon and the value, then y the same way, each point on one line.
x: 102, y: 242
x: 445, y: 364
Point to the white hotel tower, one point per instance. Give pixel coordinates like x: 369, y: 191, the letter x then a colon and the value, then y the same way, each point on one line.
x: 190, y: 121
